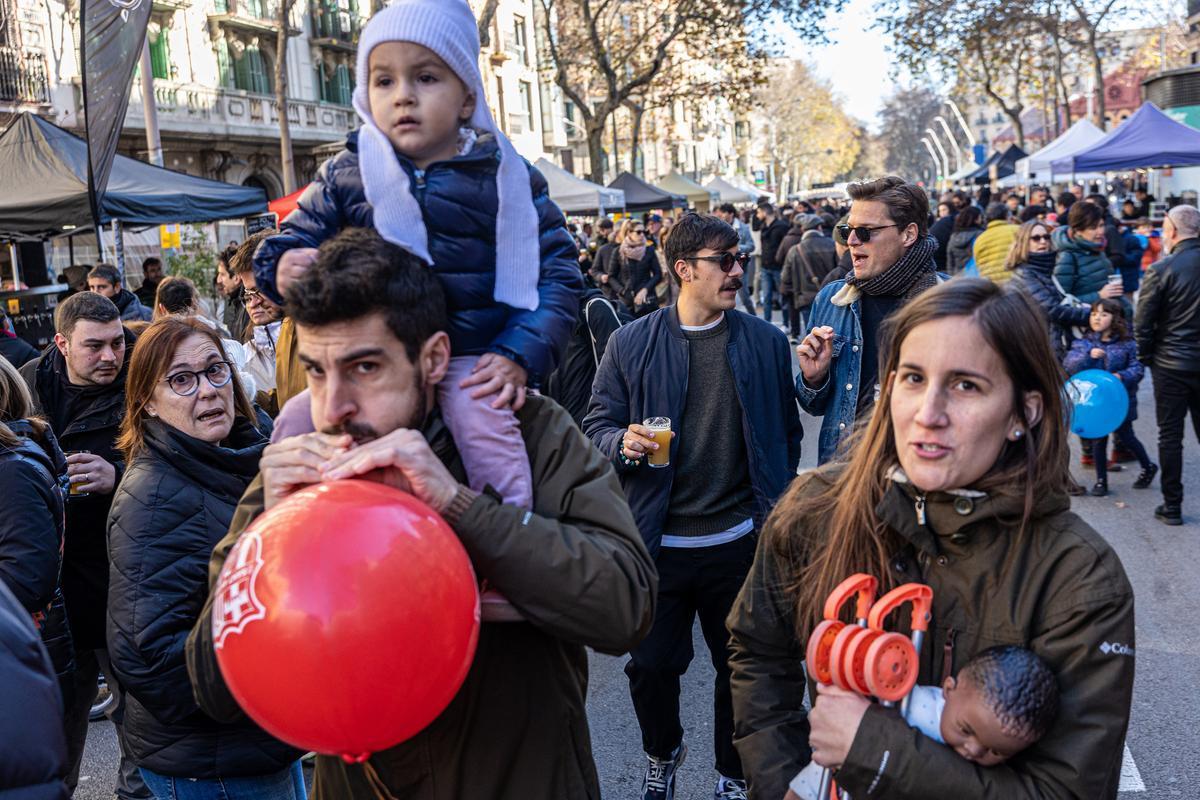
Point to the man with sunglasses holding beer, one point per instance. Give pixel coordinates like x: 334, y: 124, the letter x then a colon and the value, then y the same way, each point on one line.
x: 696, y: 407
x: 892, y: 257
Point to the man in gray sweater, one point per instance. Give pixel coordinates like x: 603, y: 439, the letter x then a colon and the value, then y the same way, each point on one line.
x: 723, y: 379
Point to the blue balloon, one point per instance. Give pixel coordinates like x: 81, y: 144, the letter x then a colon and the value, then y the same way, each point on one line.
x: 1099, y: 403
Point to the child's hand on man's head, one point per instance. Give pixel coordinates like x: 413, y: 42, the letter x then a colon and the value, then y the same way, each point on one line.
x: 494, y: 374
x: 292, y: 266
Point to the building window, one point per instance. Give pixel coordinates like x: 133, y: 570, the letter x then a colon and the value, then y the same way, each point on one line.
x: 521, y: 121
x: 520, y: 42
x: 160, y: 56
x: 249, y: 72
x: 336, y: 85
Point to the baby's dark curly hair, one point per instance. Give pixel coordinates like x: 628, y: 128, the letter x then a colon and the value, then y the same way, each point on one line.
x: 1018, y: 687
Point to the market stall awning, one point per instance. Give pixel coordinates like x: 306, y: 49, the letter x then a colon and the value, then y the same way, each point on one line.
x: 1080, y: 136
x: 43, y: 187
x: 641, y: 196
x: 1147, y: 139
x: 282, y: 206
x: 704, y: 200
x: 1005, y: 164
x: 730, y: 193
x: 574, y: 195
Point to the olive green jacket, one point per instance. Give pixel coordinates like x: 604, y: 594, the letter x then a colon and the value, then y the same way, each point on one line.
x: 577, y: 570
x: 1058, y: 589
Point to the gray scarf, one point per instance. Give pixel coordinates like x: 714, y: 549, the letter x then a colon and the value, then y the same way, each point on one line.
x: 912, y: 274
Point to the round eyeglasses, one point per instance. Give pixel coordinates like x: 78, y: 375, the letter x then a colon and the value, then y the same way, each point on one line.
x: 185, y: 382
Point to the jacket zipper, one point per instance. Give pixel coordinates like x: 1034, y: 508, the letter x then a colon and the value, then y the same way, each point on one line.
x: 948, y: 654
x: 919, y: 504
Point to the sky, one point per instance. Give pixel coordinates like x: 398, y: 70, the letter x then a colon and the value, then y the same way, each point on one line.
x: 855, y: 60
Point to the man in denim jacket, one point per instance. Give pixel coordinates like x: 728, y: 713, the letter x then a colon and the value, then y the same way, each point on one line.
x: 892, y: 255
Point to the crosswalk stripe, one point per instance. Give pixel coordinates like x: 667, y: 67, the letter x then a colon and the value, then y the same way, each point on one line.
x: 1131, y: 779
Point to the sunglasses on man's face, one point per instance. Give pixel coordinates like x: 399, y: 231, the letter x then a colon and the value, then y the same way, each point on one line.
x: 861, y: 231
x: 725, y: 261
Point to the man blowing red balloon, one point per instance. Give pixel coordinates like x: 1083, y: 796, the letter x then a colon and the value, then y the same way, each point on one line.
x: 365, y: 596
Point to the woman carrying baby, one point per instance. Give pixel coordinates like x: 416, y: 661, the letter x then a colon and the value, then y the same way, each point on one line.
x: 958, y: 480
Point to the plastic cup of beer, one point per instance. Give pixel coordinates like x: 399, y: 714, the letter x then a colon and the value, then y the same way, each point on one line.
x: 73, y: 489
x: 660, y: 432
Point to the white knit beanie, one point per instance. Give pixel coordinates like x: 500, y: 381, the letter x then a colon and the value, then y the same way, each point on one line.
x: 448, y: 28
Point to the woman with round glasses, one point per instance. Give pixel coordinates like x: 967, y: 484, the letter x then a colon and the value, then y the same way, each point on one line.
x: 191, y: 445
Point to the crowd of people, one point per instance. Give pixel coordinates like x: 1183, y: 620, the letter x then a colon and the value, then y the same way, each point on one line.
x: 616, y: 446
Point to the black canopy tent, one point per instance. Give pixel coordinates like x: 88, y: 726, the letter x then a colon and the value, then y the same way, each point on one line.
x: 43, y: 187
x: 641, y: 196
x: 1005, y: 164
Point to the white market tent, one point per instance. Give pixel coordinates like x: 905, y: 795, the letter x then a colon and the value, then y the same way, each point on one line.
x: 704, y: 200
x: 1080, y: 136
x: 966, y: 170
x: 574, y: 195
x: 748, y: 186
x: 729, y: 193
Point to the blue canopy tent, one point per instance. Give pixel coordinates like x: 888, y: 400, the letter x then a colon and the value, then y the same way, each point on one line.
x: 1005, y: 163
x: 1146, y: 140
x: 44, y: 187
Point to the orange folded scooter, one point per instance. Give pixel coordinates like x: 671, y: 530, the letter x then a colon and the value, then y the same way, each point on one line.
x: 864, y: 658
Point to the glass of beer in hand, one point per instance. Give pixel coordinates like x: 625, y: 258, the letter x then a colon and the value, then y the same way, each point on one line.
x: 660, y: 431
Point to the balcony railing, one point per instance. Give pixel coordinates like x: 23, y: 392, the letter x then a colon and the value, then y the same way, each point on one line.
x: 23, y: 76
x: 266, y: 10
x: 223, y: 112
x: 335, y: 24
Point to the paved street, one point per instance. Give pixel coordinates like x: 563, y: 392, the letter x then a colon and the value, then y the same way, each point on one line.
x: 1166, y: 713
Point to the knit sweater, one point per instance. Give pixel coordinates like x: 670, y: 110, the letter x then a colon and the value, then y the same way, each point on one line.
x: 711, y: 490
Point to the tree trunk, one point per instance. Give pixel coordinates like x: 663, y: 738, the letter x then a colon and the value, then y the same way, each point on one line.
x: 1098, y: 72
x: 486, y: 15
x: 635, y: 140
x: 287, y: 167
x: 595, y: 145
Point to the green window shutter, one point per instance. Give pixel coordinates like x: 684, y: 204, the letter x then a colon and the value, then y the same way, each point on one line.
x: 344, y: 89
x: 160, y: 57
x: 257, y: 79
x: 224, y: 67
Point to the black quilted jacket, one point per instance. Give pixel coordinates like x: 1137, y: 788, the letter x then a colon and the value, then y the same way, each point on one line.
x: 174, y: 504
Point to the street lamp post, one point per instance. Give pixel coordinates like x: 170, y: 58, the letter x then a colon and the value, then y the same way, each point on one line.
x: 937, y: 165
x: 950, y: 138
x: 962, y: 122
x: 938, y: 144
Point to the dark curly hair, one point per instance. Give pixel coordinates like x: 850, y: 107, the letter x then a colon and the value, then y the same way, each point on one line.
x: 358, y: 273
x: 1018, y: 687
x: 693, y: 233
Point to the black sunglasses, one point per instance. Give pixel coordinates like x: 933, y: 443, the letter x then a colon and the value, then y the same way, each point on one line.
x: 861, y: 231
x: 725, y: 261
x: 1040, y: 237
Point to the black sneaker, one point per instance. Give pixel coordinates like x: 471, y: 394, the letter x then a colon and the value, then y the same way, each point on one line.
x: 1169, y: 515
x: 1099, y: 489
x: 1146, y: 477
x: 659, y: 783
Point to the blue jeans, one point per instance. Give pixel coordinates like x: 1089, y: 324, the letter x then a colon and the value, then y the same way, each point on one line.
x: 285, y: 785
x: 770, y: 287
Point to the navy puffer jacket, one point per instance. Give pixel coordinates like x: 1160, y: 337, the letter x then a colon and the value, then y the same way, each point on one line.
x: 174, y: 503
x: 31, y: 538
x: 32, y: 742
x: 459, y: 203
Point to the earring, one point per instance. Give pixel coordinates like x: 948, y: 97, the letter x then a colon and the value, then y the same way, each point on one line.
x: 1017, y: 434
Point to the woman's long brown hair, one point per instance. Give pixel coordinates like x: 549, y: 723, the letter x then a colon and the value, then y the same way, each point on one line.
x: 16, y: 404
x: 831, y: 534
x: 152, y: 356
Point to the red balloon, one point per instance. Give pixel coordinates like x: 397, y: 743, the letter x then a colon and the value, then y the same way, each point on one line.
x: 346, y: 618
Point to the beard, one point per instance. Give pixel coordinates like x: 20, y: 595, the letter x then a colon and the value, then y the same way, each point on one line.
x: 363, y: 432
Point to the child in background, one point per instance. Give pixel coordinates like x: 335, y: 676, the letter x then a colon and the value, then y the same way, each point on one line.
x: 1002, y: 701
x: 431, y: 172
x: 1110, y: 347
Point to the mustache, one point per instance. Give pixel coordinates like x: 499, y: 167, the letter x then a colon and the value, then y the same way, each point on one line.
x: 359, y: 431
x: 733, y: 286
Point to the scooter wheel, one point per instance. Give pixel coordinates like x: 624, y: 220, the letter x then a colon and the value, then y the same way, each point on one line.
x: 817, y: 653
x: 891, y: 667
